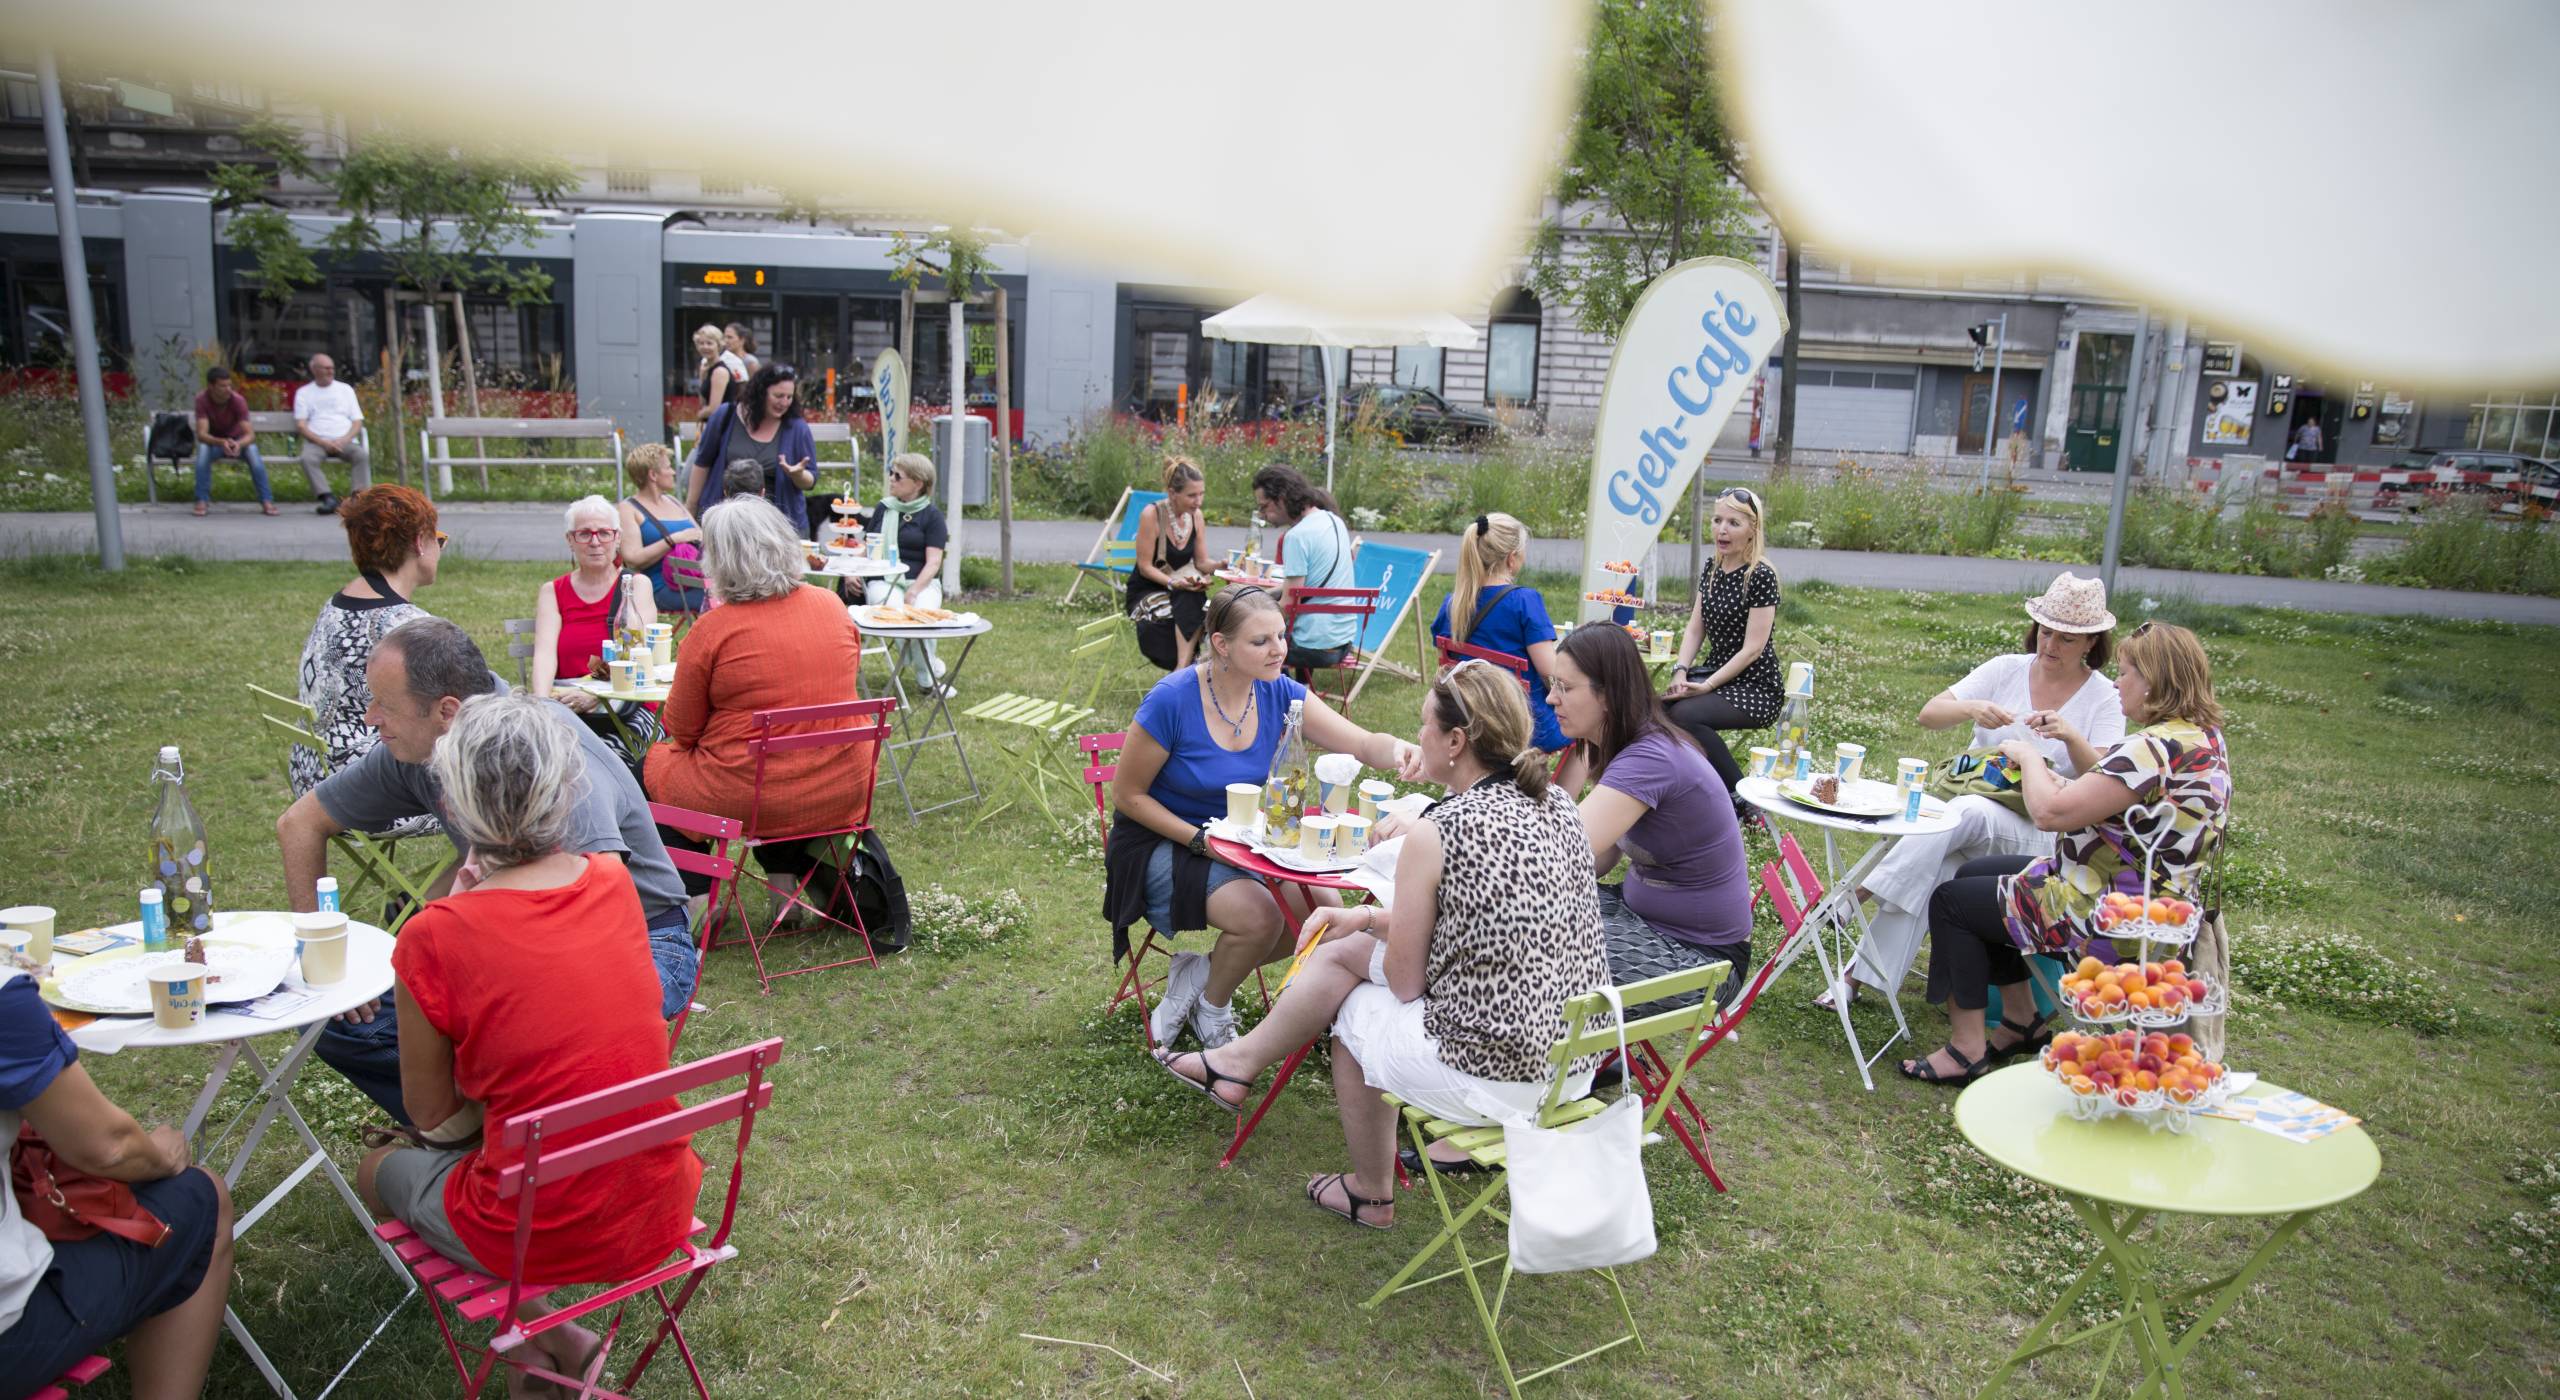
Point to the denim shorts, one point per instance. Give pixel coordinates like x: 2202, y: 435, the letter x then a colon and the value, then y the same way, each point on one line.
x: 102, y: 1287
x: 679, y: 962
x: 1160, y: 884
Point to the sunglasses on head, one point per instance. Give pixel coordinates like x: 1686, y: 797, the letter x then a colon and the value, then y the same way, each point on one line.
x: 1743, y: 494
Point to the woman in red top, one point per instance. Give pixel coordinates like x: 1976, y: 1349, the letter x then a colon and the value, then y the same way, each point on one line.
x: 482, y: 975
x: 775, y: 643
x: 574, y: 613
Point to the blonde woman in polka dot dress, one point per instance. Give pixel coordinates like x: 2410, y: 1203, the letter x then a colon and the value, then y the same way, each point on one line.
x: 1737, y: 683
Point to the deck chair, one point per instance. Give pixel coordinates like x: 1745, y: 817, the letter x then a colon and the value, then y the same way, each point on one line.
x: 549, y: 1149
x: 519, y: 633
x: 81, y: 1373
x: 372, y: 857
x: 1358, y: 603
x: 1484, y: 1147
x: 1646, y: 1062
x: 722, y: 870
x: 855, y: 723
x: 1120, y: 527
x: 1398, y: 574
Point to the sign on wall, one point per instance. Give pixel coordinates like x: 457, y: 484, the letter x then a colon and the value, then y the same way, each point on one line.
x: 1688, y: 355
x: 2230, y: 411
x: 2222, y: 357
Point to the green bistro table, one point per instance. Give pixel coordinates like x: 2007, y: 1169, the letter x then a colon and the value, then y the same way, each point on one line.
x: 2118, y: 1173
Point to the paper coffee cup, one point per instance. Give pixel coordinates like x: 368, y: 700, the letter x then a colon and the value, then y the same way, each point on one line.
x: 1335, y: 773
x: 1849, y: 761
x: 643, y: 663
x: 1351, y: 835
x: 1800, y: 678
x: 36, y: 921
x: 177, y: 995
x: 1764, y: 761
x: 618, y: 674
x: 13, y: 948
x: 1662, y: 644
x: 1243, y: 799
x: 1372, y: 793
x: 1315, y: 838
x: 1910, y: 772
x: 323, y: 942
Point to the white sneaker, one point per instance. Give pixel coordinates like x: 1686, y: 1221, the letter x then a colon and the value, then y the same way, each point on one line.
x: 1181, y: 992
x: 1215, y: 1025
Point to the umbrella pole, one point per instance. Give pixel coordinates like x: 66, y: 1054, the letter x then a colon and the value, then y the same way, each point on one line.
x: 1332, y: 389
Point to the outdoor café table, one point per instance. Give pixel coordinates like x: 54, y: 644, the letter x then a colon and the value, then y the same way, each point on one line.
x: 368, y: 977
x: 1254, y: 580
x: 933, y: 722
x: 1836, y: 923
x: 1275, y: 875
x: 602, y: 688
x: 2117, y: 1173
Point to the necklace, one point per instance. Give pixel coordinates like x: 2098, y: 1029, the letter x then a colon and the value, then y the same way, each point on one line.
x: 1235, y: 724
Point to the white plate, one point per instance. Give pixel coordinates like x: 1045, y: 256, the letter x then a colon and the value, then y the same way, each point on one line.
x: 1859, y: 797
x: 112, y: 983
x: 863, y: 614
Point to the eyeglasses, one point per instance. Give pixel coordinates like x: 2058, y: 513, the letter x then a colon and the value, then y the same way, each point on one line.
x: 589, y: 536
x: 442, y: 538
x: 2138, y: 631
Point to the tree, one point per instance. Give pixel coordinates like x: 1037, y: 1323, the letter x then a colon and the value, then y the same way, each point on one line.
x: 965, y: 269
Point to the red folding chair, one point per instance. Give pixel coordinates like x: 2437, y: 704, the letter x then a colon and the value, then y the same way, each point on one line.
x: 717, y: 864
x: 1645, y: 1062
x: 1453, y: 652
x: 507, y: 1303
x: 686, y: 575
x: 860, y: 722
x: 80, y: 1374
x: 1361, y: 603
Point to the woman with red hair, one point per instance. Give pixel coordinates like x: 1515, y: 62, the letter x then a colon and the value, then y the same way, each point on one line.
x: 391, y: 531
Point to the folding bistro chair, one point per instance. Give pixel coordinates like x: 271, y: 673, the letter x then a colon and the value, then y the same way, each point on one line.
x: 80, y: 1374
x: 1398, y: 574
x: 373, y: 857
x: 1453, y: 652
x: 723, y: 871
x: 509, y: 1304
x: 1360, y: 603
x: 1485, y: 1148
x: 1037, y: 725
x: 1120, y: 528
x: 1134, y: 984
x: 863, y: 722
x: 1646, y: 1063
x: 687, y: 574
x: 519, y: 633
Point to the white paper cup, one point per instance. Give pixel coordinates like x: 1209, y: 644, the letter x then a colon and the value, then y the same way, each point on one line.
x: 617, y: 674
x: 1243, y: 800
x: 1335, y: 773
x: 1661, y: 643
x: 1764, y: 761
x: 177, y: 995
x: 323, y: 942
x: 36, y: 921
x: 1351, y: 835
x: 1849, y: 762
x: 643, y: 663
x: 1315, y: 838
x: 1373, y: 792
x: 1910, y: 772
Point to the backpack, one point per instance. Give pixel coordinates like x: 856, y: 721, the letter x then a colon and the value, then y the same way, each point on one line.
x: 173, y: 435
x: 879, y: 893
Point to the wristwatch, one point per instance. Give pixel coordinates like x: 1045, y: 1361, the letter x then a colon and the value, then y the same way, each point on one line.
x: 1200, y: 841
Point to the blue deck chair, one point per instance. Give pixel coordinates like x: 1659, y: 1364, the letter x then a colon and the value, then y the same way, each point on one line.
x: 1397, y: 573
x: 1121, y: 530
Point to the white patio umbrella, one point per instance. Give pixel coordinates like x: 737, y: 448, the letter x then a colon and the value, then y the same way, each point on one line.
x: 1270, y: 319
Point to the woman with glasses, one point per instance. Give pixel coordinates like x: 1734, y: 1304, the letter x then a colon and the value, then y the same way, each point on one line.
x: 574, y: 614
x: 391, y: 531
x: 1452, y: 999
x: 1217, y: 721
x: 2160, y: 798
x: 1737, y: 683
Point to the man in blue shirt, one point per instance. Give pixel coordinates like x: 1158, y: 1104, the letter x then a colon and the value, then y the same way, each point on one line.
x: 1315, y: 552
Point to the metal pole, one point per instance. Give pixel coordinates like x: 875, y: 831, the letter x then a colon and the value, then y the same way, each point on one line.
x: 958, y: 465
x: 1332, y: 407
x: 1991, y: 428
x: 2124, y: 453
x: 84, y: 325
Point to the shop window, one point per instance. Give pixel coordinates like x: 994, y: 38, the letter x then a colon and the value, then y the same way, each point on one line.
x: 1511, y: 348
x: 2521, y: 423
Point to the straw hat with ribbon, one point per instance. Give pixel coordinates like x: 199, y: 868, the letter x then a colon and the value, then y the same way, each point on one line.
x: 2073, y: 604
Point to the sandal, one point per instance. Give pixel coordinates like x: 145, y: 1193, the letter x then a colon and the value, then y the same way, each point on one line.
x: 1208, y: 1087
x: 1830, y: 1000
x: 1315, y: 1194
x: 1927, y: 1073
x: 1411, y: 1161
x: 2033, y: 1037
x: 200, y: 507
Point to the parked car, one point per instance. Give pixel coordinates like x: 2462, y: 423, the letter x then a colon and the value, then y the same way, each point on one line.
x: 1413, y: 414
x: 2395, y: 495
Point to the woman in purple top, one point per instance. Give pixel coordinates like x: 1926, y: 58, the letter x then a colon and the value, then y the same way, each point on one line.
x: 1656, y: 802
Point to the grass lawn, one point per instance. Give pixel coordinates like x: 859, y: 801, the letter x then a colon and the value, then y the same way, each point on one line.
x: 964, y: 1149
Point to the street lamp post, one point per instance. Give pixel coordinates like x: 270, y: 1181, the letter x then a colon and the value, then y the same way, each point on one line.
x: 83, y: 315
x: 1996, y: 332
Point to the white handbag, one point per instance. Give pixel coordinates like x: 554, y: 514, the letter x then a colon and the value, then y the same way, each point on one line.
x: 1578, y: 1193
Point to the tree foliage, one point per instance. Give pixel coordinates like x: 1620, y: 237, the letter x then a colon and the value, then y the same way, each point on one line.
x: 442, y: 219
x: 965, y: 266
x: 1649, y: 176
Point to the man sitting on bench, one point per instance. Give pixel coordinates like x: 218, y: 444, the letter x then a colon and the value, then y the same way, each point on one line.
x: 331, y: 422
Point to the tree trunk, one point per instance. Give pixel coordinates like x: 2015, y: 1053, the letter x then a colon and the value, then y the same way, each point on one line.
x: 470, y: 377
x: 1786, y: 454
x: 1004, y: 442
x: 395, y: 367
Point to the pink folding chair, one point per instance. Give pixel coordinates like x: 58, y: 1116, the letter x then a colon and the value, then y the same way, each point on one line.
x: 686, y: 574
x: 508, y: 1303
x: 787, y: 731
x: 80, y: 1374
x: 1645, y: 1062
x: 723, y: 872
x: 1360, y: 603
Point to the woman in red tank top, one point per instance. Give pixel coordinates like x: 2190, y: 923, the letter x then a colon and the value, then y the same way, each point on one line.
x: 574, y: 613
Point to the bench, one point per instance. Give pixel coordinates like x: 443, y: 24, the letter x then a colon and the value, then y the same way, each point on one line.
x: 688, y: 436
x: 265, y: 422
x: 596, y: 430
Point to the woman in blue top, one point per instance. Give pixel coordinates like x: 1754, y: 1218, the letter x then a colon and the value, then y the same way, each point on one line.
x: 655, y: 527
x: 1215, y: 722
x: 764, y: 425
x: 1489, y: 608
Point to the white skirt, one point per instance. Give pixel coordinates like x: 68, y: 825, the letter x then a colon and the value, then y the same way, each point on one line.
x: 1398, y: 1056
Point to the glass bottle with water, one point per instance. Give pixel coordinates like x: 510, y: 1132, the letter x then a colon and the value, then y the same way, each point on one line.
x: 1795, y: 717
x: 178, y: 864
x: 1284, y: 796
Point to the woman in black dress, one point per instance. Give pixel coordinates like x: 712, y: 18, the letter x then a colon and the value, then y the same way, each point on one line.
x: 1738, y: 683
x: 1168, y: 588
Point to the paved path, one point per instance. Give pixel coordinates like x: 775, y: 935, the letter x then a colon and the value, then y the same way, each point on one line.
x: 498, y: 530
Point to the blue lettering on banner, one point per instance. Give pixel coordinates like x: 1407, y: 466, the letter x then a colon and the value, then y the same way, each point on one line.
x: 1720, y: 357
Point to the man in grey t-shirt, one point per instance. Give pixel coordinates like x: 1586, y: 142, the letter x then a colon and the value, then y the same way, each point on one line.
x: 420, y: 674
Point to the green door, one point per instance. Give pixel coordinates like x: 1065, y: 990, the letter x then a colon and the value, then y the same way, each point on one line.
x: 2097, y: 411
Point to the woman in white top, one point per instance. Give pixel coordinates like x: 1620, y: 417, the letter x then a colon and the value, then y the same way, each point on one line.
x: 2053, y: 694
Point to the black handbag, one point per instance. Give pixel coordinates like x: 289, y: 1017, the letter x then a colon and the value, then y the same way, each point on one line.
x: 879, y: 893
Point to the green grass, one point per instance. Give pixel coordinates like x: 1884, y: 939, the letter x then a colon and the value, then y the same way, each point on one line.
x: 964, y: 1149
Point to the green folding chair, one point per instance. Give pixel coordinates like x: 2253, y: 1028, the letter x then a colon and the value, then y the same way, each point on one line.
x: 373, y: 859
x: 1038, y: 732
x: 1484, y: 1147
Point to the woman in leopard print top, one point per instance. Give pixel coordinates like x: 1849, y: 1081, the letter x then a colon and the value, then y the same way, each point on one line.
x: 1452, y: 1002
